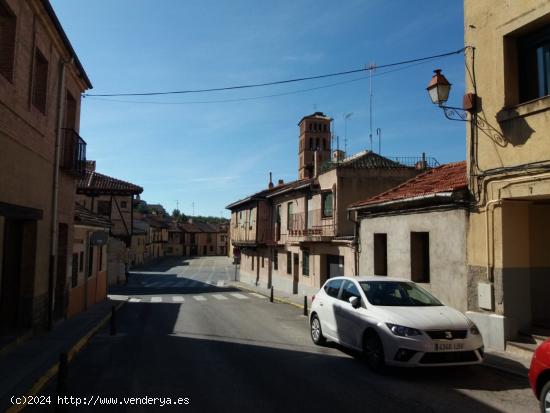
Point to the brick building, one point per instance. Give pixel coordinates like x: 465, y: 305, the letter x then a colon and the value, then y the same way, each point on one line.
x: 41, y: 81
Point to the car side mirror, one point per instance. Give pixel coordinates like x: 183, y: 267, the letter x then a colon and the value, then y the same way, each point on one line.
x: 355, y: 302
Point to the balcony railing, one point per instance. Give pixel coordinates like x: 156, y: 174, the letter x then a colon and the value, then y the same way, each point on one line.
x: 307, y: 225
x: 73, y: 153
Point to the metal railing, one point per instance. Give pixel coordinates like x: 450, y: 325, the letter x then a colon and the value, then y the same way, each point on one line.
x: 73, y: 153
x: 310, y: 224
x: 419, y: 162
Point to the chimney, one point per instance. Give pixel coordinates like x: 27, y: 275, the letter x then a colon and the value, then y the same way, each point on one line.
x: 90, y: 166
x: 338, y: 155
x: 270, y: 185
x: 281, y: 182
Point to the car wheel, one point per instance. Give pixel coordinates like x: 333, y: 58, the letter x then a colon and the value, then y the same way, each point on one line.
x: 373, y: 351
x: 545, y: 398
x: 316, y: 332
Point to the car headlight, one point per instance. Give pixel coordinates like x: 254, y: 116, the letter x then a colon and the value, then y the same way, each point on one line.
x: 473, y: 328
x: 403, y: 331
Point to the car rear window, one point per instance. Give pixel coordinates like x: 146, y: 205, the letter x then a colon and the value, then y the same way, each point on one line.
x: 332, y: 287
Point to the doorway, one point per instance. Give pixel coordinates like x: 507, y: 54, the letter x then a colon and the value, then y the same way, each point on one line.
x: 295, y: 273
x: 335, y: 266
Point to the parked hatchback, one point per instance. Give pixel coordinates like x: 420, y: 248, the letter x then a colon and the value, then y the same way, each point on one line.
x: 539, y: 375
x: 393, y: 321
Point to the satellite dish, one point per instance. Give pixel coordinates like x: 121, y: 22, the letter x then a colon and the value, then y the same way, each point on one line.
x: 99, y: 238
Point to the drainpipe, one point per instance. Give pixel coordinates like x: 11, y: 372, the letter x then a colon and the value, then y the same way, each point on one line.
x: 55, y: 193
x: 356, y: 240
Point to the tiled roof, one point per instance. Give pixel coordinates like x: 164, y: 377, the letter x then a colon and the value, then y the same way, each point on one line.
x: 450, y: 177
x: 363, y: 160
x: 263, y: 193
x: 199, y: 227
x: 96, y: 183
x: 84, y: 216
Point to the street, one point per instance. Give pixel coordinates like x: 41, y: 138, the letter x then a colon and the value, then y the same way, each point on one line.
x: 185, y: 332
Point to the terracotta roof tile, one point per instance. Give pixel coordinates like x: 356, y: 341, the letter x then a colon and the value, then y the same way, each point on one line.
x: 84, y: 216
x: 96, y: 183
x: 445, y: 178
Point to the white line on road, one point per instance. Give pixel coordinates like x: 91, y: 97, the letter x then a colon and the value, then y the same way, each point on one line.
x: 258, y: 295
x: 156, y: 299
x: 178, y: 299
x: 239, y: 296
x: 117, y: 297
x: 199, y: 298
x: 135, y: 300
x: 219, y: 297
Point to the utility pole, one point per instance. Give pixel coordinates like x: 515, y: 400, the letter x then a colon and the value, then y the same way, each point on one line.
x: 346, y: 117
x: 371, y: 67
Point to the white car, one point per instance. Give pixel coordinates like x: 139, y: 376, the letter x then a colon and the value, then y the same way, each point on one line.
x: 393, y: 321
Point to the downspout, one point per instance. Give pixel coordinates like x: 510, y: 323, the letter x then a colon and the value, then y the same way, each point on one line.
x: 356, y: 240
x: 55, y: 194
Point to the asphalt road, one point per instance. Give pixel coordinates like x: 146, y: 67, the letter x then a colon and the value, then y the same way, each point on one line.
x: 186, y: 333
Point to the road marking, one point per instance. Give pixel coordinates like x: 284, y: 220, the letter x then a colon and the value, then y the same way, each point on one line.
x: 135, y: 300
x: 258, y: 295
x: 156, y: 299
x: 220, y: 284
x: 199, y: 298
x: 117, y: 297
x: 239, y: 296
x: 178, y: 299
x: 219, y: 297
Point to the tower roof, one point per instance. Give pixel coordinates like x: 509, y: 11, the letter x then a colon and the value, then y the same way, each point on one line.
x: 316, y: 115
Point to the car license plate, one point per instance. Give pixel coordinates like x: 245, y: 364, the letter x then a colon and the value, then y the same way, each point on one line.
x: 449, y: 346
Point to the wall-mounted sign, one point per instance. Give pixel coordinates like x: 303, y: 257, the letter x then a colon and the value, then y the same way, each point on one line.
x: 99, y: 238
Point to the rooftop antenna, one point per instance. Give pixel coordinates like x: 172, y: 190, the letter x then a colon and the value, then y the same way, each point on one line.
x: 371, y: 67
x: 193, y: 205
x: 346, y: 117
x: 379, y: 134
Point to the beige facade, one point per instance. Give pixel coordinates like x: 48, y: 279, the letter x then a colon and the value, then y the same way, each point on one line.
x: 508, y: 262
x: 296, y: 235
x: 39, y: 105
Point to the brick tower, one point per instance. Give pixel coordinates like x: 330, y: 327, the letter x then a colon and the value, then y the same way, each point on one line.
x: 314, y: 136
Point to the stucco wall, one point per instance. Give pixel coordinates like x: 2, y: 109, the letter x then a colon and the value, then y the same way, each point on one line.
x: 447, y: 246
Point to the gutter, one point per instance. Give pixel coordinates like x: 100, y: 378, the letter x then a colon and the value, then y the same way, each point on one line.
x: 284, y: 191
x: 447, y: 194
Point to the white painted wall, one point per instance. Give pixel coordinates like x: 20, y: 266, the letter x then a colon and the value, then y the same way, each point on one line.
x: 448, y: 268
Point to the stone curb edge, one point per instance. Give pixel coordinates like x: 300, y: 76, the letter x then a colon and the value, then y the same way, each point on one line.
x: 52, y: 371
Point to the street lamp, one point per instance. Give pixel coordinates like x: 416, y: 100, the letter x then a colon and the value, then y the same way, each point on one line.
x: 439, y: 89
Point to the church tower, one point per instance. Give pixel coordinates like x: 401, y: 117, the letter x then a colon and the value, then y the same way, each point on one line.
x: 314, y: 137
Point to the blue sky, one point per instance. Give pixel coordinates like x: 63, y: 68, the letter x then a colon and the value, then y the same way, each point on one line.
x: 211, y: 154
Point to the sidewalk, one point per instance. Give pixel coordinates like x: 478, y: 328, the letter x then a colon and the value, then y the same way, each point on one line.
x: 27, y: 367
x: 502, y: 361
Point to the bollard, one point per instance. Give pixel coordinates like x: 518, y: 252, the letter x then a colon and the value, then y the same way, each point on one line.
x: 113, y: 320
x: 271, y: 295
x: 305, y: 305
x: 62, y: 380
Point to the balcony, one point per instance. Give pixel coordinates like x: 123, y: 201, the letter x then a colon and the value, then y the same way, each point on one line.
x: 73, y: 153
x: 307, y: 227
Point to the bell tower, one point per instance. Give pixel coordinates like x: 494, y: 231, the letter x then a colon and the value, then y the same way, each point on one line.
x: 314, y: 137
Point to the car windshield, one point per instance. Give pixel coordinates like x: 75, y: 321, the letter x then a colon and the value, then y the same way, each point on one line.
x: 397, y: 293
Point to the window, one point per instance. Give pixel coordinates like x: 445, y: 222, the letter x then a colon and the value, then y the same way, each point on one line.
x: 209, y: 238
x: 7, y: 41
x: 305, y: 263
x: 90, y: 260
x: 262, y: 262
x: 349, y: 290
x: 100, y: 267
x: 250, y: 218
x: 380, y: 254
x: 326, y: 199
x: 317, y: 144
x: 534, y: 65
x: 123, y: 204
x: 104, y: 208
x: 420, y: 257
x: 333, y: 287
x: 310, y: 144
x: 211, y: 248
x: 81, y: 262
x: 289, y: 263
x: 275, y: 260
x: 74, y: 273
x: 290, y: 215
x: 39, y: 81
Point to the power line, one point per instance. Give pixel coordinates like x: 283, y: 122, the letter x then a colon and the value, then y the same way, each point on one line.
x: 293, y: 92
x: 279, y: 82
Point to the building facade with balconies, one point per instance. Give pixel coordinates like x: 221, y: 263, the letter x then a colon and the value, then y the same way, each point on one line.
x: 294, y: 236
x: 41, y: 81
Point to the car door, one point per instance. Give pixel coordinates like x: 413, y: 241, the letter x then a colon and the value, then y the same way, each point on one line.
x: 327, y: 303
x: 348, y: 321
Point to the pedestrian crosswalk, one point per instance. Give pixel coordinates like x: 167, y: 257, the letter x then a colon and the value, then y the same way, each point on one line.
x: 178, y: 299
x: 179, y: 283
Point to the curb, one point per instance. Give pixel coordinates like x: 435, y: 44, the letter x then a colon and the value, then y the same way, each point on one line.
x: 52, y: 371
x: 279, y: 300
x: 14, y: 344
